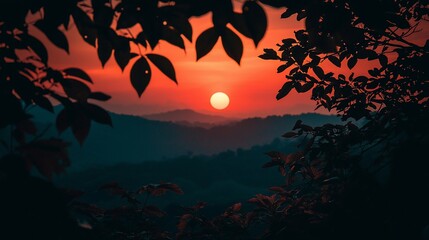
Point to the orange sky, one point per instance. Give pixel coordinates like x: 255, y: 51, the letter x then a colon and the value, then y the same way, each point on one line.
x: 252, y: 87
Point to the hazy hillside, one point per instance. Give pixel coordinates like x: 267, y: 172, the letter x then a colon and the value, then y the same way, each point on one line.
x: 220, y: 179
x: 189, y: 117
x: 134, y: 139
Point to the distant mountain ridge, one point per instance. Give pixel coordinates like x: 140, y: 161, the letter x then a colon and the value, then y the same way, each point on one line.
x: 190, y: 117
x: 134, y: 139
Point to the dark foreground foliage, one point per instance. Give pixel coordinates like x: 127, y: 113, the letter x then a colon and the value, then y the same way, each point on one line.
x: 347, y: 182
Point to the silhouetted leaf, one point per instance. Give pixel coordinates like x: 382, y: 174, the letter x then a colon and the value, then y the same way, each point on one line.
x: 290, y: 134
x: 181, y: 23
x: 297, y: 125
x: 127, y: 19
x: 75, y: 89
x: 304, y: 88
x: 287, y: 87
x: 123, y: 58
x: 99, y: 96
x: 351, y: 62
x: 173, y: 37
x: 37, y: 46
x: 269, y: 54
x: 103, y: 15
x: 141, y: 38
x: 239, y: 23
x: 319, y: 72
x: 232, y: 45
x: 104, y: 50
x: 44, y: 103
x: 371, y: 54
x: 383, y: 60
x: 79, y: 73
x: 256, y: 20
x: 140, y: 75
x: 205, y: 42
x: 334, y: 60
x: 85, y: 26
x: 163, y: 64
x: 98, y: 114
x: 63, y: 120
x: 298, y: 54
x: 80, y: 125
x: 55, y: 36
x: 283, y: 67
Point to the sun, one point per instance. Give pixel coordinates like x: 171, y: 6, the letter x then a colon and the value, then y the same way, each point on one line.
x: 219, y: 100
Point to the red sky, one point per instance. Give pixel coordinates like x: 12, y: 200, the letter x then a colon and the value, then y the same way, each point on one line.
x: 252, y: 87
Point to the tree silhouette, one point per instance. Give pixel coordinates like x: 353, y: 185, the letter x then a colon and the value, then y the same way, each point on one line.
x: 335, y: 171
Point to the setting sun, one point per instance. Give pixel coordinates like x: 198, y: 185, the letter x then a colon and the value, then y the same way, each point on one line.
x: 219, y: 100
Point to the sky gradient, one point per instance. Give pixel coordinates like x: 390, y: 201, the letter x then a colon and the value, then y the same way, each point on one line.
x: 251, y: 87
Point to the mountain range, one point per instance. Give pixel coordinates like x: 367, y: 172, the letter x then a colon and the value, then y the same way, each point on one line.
x: 188, y: 117
x: 134, y: 139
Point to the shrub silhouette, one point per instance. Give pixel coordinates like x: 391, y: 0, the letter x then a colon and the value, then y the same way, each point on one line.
x: 332, y: 188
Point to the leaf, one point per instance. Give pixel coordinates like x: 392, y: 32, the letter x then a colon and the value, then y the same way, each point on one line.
x: 256, y: 20
x: 298, y: 54
x: 123, y: 58
x: 85, y: 26
x: 99, y: 96
x: 269, y: 54
x: 122, y: 51
x: 287, y: 87
x: 383, y: 60
x: 140, y: 75
x: 80, y: 125
x: 304, y: 88
x: 127, y: 19
x: 98, y: 114
x: 236, y: 207
x: 79, y: 73
x: 232, y: 45
x: 180, y: 23
x: 290, y: 135
x: 283, y: 67
x: 173, y: 37
x: 37, y: 46
x: 44, y: 103
x: 163, y: 64
x: 319, y: 72
x: 104, y: 50
x: 75, y: 89
x: 205, y: 42
x: 297, y: 125
x: 351, y: 62
x: 103, y: 15
x: 239, y: 23
x: 54, y: 35
x: 141, y: 38
x: 334, y: 60
x: 63, y: 120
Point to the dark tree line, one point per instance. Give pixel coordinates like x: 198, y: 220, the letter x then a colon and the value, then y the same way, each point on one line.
x: 333, y: 186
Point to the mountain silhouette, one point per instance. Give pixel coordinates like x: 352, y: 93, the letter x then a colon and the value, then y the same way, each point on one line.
x: 134, y: 139
x: 190, y: 117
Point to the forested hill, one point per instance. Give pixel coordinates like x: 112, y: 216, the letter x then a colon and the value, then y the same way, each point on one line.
x: 134, y: 139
